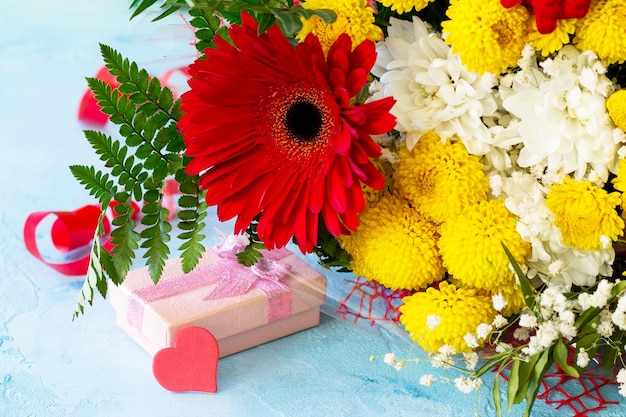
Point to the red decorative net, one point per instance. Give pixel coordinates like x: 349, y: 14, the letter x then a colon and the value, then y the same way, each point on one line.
x: 583, y: 396
x: 372, y: 302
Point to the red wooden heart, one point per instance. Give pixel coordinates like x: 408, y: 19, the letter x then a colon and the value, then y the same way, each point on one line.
x: 191, y: 365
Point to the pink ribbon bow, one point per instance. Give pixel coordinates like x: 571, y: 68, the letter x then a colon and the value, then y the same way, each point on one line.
x: 232, y: 279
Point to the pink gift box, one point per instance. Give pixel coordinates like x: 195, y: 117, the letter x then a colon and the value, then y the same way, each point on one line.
x: 267, y: 310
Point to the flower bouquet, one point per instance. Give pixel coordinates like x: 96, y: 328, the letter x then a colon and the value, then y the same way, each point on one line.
x: 470, y: 153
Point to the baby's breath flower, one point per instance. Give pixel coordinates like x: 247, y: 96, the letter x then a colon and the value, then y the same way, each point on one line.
x: 521, y: 333
x: 471, y: 341
x: 427, y: 380
x: 471, y: 360
x: 500, y: 321
x: 528, y: 320
x: 582, y: 358
x: 390, y: 359
x: 483, y: 331
x: 433, y: 321
x: 498, y: 302
x: 466, y: 384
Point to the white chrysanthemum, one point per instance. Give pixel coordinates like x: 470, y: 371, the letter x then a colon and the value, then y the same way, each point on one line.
x: 564, y: 126
x: 432, y: 88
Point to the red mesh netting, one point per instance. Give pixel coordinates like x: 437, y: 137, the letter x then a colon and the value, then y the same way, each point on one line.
x: 583, y: 395
x: 370, y: 301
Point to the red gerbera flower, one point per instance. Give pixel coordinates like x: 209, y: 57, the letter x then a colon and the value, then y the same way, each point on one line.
x: 272, y: 132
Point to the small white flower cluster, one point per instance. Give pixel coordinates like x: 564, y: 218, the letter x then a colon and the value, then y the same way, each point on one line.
x: 443, y: 359
x: 467, y: 384
x: 484, y: 331
x: 621, y: 380
x: 390, y: 359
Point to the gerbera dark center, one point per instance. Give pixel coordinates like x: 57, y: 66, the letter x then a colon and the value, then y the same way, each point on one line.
x: 303, y: 121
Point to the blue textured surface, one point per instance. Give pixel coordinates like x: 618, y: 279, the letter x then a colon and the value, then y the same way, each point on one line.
x: 53, y: 366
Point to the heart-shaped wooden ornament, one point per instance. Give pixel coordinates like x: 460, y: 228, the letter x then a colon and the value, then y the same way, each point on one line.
x: 191, y: 365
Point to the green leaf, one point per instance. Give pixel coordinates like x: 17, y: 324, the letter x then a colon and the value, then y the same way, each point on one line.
x: 249, y: 256
x: 497, y: 402
x: 289, y: 23
x: 327, y: 15
x: 541, y: 367
x: 525, y: 371
x: 527, y: 290
x: 560, y: 357
x: 513, y: 383
x: 265, y: 21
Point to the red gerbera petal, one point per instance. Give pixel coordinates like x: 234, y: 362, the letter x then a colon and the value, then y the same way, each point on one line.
x: 272, y: 133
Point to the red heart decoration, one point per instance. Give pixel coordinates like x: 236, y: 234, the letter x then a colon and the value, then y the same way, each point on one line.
x: 191, y: 365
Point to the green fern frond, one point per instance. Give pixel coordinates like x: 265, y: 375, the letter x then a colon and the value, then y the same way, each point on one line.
x: 156, y: 235
x: 99, y: 264
x: 124, y: 235
x: 95, y: 182
x: 138, y: 84
x: 115, y: 156
x: 191, y: 217
x: 170, y: 6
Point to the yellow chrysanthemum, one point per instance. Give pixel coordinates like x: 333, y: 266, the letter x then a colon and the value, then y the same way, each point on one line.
x: 471, y: 245
x: 444, y: 316
x: 619, y: 182
x: 405, y: 6
x: 602, y: 30
x: 440, y: 179
x: 616, y: 106
x: 489, y: 37
x: 395, y: 246
x: 584, y: 213
x: 552, y: 42
x: 354, y: 17
x: 510, y: 291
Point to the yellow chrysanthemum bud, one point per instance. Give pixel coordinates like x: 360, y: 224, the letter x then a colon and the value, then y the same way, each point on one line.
x: 354, y: 17
x: 395, y: 246
x: 616, y: 106
x: 471, y: 245
x: 443, y: 316
x: 584, y: 213
x: 439, y: 179
x: 602, y: 30
x: 619, y: 182
x: 549, y: 43
x: 405, y: 6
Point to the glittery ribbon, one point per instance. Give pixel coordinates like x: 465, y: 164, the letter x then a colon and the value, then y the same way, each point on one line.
x: 231, y: 277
